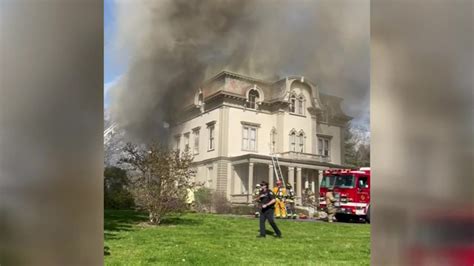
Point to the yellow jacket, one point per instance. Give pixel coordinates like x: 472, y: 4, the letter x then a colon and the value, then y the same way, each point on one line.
x: 280, y: 192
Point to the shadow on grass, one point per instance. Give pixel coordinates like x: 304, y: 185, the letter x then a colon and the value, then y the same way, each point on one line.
x: 267, y: 232
x: 124, y: 220
x: 120, y: 220
x: 180, y: 221
x: 106, y: 251
x: 116, y: 221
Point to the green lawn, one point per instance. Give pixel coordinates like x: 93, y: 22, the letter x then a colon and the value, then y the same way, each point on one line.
x: 207, y: 239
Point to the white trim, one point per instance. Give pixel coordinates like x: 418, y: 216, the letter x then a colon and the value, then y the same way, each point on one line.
x: 196, y: 142
x: 349, y: 204
x: 248, y: 139
x: 211, y: 127
x: 260, y: 93
x: 354, y: 204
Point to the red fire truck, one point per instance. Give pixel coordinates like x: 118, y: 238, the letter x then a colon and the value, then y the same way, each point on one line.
x: 352, y: 191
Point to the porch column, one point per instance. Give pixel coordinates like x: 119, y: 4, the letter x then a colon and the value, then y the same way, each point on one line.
x: 320, y: 176
x: 270, y: 176
x: 316, y: 189
x: 237, y: 178
x: 291, y: 175
x: 313, y: 185
x: 299, y: 184
x: 250, y: 188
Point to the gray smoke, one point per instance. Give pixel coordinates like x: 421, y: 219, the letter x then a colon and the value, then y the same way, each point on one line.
x: 173, y: 45
x: 422, y: 152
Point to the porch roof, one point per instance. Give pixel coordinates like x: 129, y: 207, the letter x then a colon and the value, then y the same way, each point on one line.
x: 285, y: 161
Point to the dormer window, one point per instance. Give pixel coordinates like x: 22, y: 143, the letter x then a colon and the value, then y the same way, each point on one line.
x: 297, y: 104
x: 300, y: 105
x: 292, y: 104
x: 200, y: 98
x: 253, y: 99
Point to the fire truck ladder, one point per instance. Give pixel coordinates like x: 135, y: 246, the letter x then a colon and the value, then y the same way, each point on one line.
x: 277, y: 169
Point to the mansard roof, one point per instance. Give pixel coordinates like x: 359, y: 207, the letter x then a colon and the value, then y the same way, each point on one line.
x: 237, y: 85
x: 332, y: 105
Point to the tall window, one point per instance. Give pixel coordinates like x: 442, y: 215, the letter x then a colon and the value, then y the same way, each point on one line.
x: 300, y: 105
x: 186, y: 142
x: 200, y: 98
x: 300, y: 142
x: 297, y: 104
x: 209, y: 176
x: 249, y: 138
x: 324, y: 146
x: 292, y: 104
x: 273, y: 140
x: 177, y: 140
x: 211, y: 137
x: 196, y: 141
x: 292, y: 140
x: 253, y: 98
x: 320, y: 146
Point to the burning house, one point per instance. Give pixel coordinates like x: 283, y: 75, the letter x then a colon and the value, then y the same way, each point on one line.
x: 234, y: 125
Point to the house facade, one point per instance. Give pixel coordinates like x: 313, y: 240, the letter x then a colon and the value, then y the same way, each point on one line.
x: 235, y: 124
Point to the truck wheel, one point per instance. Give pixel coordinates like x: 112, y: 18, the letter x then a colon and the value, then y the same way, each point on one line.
x: 367, y: 218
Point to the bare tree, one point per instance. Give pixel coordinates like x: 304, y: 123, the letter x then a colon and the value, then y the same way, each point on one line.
x: 363, y: 155
x: 356, y: 150
x: 163, y: 178
x: 350, y: 149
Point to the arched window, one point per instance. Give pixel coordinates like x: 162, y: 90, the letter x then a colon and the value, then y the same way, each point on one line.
x: 200, y: 98
x: 253, y: 98
x: 300, y: 141
x: 292, y: 103
x: 300, y: 105
x: 292, y: 140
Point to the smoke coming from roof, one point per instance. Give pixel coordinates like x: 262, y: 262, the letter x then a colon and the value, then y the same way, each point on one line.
x: 173, y: 45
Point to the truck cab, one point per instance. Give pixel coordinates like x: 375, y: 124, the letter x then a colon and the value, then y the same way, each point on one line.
x: 352, y: 191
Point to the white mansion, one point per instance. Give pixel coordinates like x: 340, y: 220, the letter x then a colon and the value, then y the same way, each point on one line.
x: 234, y: 124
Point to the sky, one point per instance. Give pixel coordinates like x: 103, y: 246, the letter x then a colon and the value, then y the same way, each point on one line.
x: 114, y: 66
x: 115, y: 63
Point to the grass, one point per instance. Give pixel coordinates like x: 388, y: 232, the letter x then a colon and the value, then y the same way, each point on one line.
x: 207, y: 239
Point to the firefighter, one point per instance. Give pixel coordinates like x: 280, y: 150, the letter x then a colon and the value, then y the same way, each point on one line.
x: 280, y: 194
x: 190, y: 199
x: 290, y: 201
x: 331, y: 209
x: 267, y: 201
x: 256, y: 195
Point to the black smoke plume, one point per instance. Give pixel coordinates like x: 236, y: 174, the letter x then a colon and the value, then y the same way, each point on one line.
x: 172, y: 46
